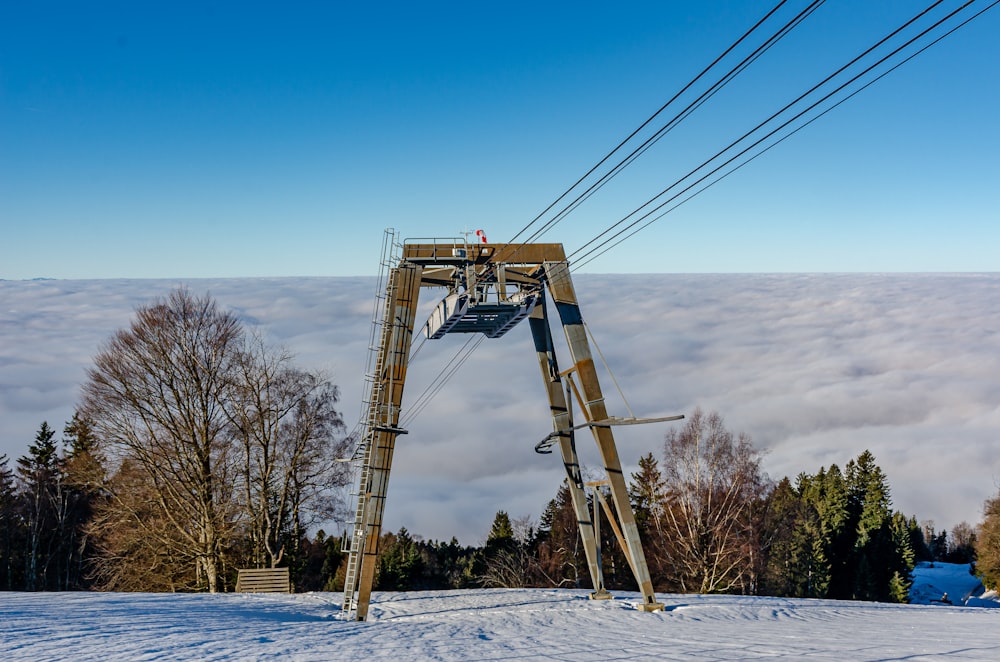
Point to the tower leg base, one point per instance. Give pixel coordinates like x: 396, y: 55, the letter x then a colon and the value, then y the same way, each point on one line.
x: 651, y: 606
x: 601, y: 595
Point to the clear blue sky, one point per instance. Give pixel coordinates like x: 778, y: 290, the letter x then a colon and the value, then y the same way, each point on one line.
x: 180, y: 139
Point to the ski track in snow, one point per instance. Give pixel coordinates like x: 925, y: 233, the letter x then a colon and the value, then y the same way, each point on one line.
x: 500, y: 624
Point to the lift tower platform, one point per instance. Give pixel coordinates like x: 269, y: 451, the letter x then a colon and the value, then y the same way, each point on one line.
x: 491, y: 287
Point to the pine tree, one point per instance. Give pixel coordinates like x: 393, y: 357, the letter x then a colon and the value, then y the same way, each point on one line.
x: 937, y: 543
x: 647, y: 492
x: 82, y: 475
x: 560, y: 554
x: 903, y: 560
x: 400, y: 565
x: 501, y: 532
x: 870, y: 506
x: 988, y: 544
x: 921, y: 552
x: 333, y: 560
x: 8, y: 526
x: 845, y: 541
x: 825, y: 567
x: 508, y: 562
x: 883, y: 556
x: 789, y: 532
x: 38, y: 472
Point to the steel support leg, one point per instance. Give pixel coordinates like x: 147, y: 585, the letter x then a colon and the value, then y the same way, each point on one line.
x: 562, y: 420
x: 397, y: 332
x: 561, y: 287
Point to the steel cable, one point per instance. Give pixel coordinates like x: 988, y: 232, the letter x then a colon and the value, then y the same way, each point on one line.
x: 585, y: 256
x: 592, y: 255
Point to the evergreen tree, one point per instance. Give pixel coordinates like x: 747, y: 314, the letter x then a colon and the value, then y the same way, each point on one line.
x: 647, y: 491
x: 869, y: 504
x: 560, y: 554
x: 937, y: 543
x: 83, y: 473
x: 38, y: 472
x: 902, y: 560
x: 646, y: 494
x: 789, y: 532
x: 844, y: 542
x: 9, y: 526
x: 988, y: 544
x: 320, y: 561
x: 921, y: 552
x: 400, y: 565
x: 507, y: 555
x: 825, y: 566
x: 882, y: 557
x: 501, y: 532
x: 334, y: 559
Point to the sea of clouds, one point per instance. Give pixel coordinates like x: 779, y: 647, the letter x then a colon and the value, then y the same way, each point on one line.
x: 816, y: 368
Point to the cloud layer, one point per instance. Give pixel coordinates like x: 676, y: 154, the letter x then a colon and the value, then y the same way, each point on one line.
x: 816, y: 368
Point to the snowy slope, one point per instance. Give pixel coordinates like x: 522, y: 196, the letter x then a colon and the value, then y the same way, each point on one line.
x: 529, y: 624
x: 933, y: 581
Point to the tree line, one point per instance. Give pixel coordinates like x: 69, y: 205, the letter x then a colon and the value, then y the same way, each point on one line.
x: 711, y: 522
x: 197, y: 449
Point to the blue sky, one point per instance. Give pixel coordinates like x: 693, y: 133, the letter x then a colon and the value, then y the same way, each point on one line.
x: 224, y: 139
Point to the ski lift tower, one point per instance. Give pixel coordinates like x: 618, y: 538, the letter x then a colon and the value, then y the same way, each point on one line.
x: 491, y: 287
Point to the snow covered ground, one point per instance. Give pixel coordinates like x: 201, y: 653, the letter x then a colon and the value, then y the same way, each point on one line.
x: 526, y: 624
x: 935, y: 583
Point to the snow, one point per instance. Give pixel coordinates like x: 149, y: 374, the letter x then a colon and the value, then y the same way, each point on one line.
x: 933, y: 581
x: 498, y: 624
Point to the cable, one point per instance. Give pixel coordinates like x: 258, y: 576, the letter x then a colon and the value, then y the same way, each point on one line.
x: 445, y: 375
x: 584, y: 255
x: 608, y: 368
x: 682, y: 115
x: 593, y: 256
x: 648, y: 121
x: 470, y: 346
x: 442, y: 378
x: 740, y: 139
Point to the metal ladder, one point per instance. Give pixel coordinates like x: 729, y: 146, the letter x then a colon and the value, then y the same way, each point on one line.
x: 363, y: 454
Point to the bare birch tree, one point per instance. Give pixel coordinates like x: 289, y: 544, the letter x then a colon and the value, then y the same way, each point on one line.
x: 713, y: 482
x: 286, y: 426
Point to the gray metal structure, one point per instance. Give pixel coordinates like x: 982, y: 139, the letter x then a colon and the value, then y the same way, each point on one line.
x: 491, y: 288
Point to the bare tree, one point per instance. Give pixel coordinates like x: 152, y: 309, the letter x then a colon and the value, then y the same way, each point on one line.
x: 962, y: 543
x: 156, y: 397
x: 311, y: 453
x: 286, y: 425
x: 713, y: 482
x: 138, y: 548
x: 214, y: 442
